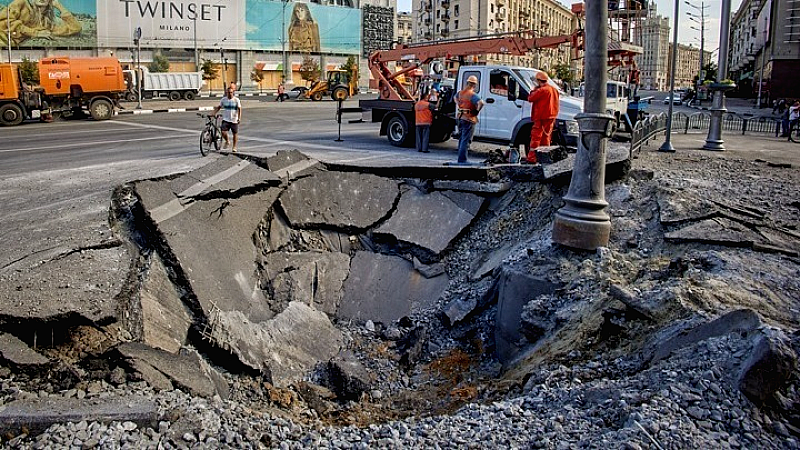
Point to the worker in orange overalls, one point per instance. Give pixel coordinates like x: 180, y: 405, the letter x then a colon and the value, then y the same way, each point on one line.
x: 469, y: 105
x: 423, y: 115
x: 544, y: 109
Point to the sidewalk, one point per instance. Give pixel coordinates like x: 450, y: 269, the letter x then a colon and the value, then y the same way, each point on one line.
x: 741, y: 106
x: 749, y: 148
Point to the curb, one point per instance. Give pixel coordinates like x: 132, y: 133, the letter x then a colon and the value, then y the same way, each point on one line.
x: 163, y: 110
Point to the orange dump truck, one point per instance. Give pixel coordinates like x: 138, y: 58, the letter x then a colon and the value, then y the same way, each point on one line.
x: 68, y: 86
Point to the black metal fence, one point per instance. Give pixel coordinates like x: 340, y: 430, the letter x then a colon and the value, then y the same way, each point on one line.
x: 647, y: 129
x: 654, y: 124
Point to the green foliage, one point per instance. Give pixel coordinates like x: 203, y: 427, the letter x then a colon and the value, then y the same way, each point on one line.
x: 209, y: 70
x: 256, y: 75
x: 160, y: 63
x: 563, y: 73
x: 309, y: 69
x: 29, y: 71
x: 351, y: 66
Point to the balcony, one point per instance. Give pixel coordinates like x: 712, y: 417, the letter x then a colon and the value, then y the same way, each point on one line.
x: 445, y: 17
x: 500, y: 16
x: 501, y: 2
x: 445, y: 4
x: 445, y: 31
x: 427, y: 21
x: 426, y: 6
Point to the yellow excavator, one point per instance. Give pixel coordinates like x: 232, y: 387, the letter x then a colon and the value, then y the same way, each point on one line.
x: 340, y: 85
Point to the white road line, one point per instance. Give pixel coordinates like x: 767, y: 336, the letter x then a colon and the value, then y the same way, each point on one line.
x: 80, y: 144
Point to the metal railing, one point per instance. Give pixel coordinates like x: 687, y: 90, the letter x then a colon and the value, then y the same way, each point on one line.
x: 647, y: 128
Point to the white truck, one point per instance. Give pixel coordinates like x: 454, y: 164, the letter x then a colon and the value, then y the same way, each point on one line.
x: 173, y: 85
x: 505, y: 118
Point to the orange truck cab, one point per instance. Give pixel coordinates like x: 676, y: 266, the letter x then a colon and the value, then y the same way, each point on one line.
x: 68, y: 86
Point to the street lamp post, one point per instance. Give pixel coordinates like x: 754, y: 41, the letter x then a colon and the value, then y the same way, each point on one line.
x: 702, y: 23
x: 583, y: 222
x: 8, y: 27
x: 667, y: 145
x: 714, y: 140
x: 285, y: 59
x: 137, y: 39
x: 196, y: 53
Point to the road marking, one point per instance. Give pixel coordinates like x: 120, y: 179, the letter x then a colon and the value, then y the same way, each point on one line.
x: 174, y: 207
x: 83, y: 144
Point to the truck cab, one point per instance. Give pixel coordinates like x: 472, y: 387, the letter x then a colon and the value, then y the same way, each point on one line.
x: 506, y: 115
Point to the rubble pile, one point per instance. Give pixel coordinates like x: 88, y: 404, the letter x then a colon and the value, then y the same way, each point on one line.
x: 283, y: 304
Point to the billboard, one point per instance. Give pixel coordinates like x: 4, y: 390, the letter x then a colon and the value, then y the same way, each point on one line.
x: 171, y: 24
x: 49, y: 23
x: 309, y: 27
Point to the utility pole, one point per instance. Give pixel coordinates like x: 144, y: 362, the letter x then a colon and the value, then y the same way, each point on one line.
x: 667, y: 145
x: 8, y: 27
x: 714, y: 140
x: 196, y: 54
x: 583, y: 222
x: 286, y: 74
x: 137, y: 39
x: 702, y: 8
x: 763, y: 57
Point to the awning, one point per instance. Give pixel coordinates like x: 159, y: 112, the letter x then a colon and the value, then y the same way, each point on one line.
x: 267, y: 65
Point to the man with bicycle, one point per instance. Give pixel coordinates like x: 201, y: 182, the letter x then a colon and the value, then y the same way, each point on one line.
x: 231, y: 108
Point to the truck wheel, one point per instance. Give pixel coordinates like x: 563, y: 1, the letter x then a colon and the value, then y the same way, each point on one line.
x: 316, y: 96
x: 189, y: 95
x: 174, y: 96
x: 101, y: 109
x: 131, y: 97
x: 398, y: 133
x: 339, y: 94
x: 11, y: 115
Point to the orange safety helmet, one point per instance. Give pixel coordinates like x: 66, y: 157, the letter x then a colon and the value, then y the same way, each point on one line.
x: 541, y: 76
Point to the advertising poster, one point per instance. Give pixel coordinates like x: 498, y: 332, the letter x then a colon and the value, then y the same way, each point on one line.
x: 172, y: 24
x: 309, y: 27
x: 49, y: 23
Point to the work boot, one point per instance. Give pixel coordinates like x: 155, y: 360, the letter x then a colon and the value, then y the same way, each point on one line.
x: 531, y: 158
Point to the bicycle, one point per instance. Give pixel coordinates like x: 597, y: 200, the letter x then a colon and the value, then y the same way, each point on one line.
x: 211, y: 134
x: 794, y: 131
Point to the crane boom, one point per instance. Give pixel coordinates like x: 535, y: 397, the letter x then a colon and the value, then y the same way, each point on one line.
x: 390, y: 88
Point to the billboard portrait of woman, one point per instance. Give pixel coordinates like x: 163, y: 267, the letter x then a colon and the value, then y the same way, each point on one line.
x: 303, y: 30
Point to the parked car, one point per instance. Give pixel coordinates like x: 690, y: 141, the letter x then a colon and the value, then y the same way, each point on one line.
x: 295, y: 93
x: 676, y: 98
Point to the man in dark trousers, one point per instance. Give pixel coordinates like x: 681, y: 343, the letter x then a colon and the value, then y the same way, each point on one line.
x: 469, y: 105
x: 423, y: 115
x: 544, y: 109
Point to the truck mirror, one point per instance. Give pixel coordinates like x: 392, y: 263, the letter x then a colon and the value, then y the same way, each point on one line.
x: 512, y: 89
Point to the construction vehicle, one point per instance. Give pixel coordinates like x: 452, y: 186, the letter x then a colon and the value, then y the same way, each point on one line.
x: 173, y: 85
x: 505, y: 117
x: 68, y: 87
x: 340, y: 85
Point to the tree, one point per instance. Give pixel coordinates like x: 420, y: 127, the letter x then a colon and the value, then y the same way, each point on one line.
x: 309, y: 69
x: 711, y: 71
x: 257, y: 76
x: 563, y: 73
x: 160, y: 63
x: 351, y: 67
x: 29, y: 71
x: 209, y: 72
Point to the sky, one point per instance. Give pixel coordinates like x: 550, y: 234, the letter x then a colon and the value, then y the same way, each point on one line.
x: 686, y: 35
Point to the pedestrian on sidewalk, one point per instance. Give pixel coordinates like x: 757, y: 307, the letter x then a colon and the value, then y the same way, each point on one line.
x: 281, y: 93
x: 794, y: 116
x: 544, y: 110
x: 231, y: 108
x: 469, y: 105
x: 423, y: 116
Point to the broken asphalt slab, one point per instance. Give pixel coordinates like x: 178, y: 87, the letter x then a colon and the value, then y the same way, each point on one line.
x: 16, y: 353
x: 37, y: 415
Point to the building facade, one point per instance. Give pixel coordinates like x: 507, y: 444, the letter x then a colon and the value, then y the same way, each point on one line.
x: 435, y: 20
x: 654, y: 60
x: 237, y: 36
x: 405, y: 27
x: 687, y: 66
x: 765, y: 49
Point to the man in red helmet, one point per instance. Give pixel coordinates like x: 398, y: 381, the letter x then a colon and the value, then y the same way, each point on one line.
x: 544, y: 109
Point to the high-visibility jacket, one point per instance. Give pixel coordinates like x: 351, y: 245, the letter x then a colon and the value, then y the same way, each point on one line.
x: 468, y: 105
x: 544, y: 103
x: 422, y: 113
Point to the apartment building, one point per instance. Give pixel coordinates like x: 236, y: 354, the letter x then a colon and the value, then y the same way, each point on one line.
x: 654, y: 60
x: 765, y: 44
x: 405, y: 27
x: 435, y: 20
x: 687, y: 65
